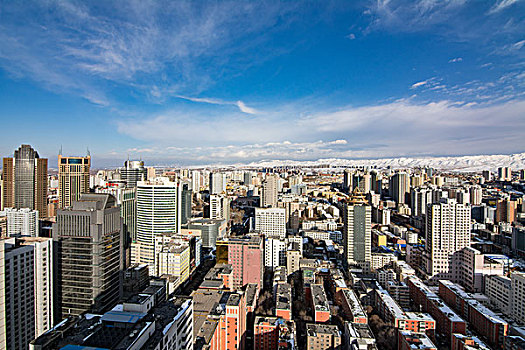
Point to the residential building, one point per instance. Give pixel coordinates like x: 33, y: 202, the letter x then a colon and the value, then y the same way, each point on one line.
x: 217, y: 183
x: 399, y: 187
x: 270, y: 188
x: 21, y: 221
x: 518, y: 296
x: 357, y: 231
x: 499, y: 291
x: 322, y: 337
x: 247, y: 259
x: 448, y: 231
x: 274, y: 251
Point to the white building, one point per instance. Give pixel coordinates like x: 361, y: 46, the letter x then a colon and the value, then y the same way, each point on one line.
x: 274, y: 251
x: 448, y: 231
x: 518, y: 296
x: 499, y: 291
x: 158, y: 211
x: 21, y: 221
x: 271, y: 221
x: 217, y: 183
x: 219, y: 207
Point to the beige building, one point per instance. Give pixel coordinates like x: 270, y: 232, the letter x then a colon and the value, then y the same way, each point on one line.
x: 73, y: 179
x: 322, y: 337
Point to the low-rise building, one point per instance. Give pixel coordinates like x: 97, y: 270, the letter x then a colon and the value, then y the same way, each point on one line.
x: 322, y: 337
x: 412, y: 340
x: 319, y: 303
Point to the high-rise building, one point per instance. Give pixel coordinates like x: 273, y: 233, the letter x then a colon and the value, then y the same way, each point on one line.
x: 274, y: 251
x: 219, y: 207
x: 448, y: 231
x: 270, y: 188
x: 90, y: 255
x: 271, y: 221
x: 476, y: 195
x: 186, y: 200
x: 21, y: 221
x: 17, y: 283
x: 158, y: 211
x: 487, y: 175
x: 357, y: 231
x: 247, y: 178
x: 24, y: 181
x: 217, y: 183
x: 73, y: 179
x: 506, y: 211
x: 196, y: 181
x: 133, y: 172
x: 505, y: 174
x: 44, y: 281
x: 420, y: 197
x: 399, y: 187
x: 518, y: 296
x: 348, y: 176
x: 246, y: 257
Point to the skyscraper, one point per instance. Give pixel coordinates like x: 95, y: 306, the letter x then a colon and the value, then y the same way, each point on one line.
x: 270, y: 189
x: 399, y: 187
x: 133, y: 171
x: 186, y: 201
x: 357, y: 230
x: 505, y: 174
x: 21, y: 221
x: 73, y: 179
x: 25, y: 181
x: 448, y: 231
x: 271, y: 221
x: 158, y: 211
x: 90, y: 255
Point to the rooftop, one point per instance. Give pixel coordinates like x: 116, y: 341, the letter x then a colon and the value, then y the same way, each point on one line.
x: 313, y: 329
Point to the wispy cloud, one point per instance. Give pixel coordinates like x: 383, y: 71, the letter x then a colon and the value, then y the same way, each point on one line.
x: 501, y: 5
x: 454, y: 60
x: 418, y: 84
x: 148, y: 47
x: 241, y: 105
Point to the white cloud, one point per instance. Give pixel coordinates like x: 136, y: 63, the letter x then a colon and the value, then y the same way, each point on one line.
x: 351, y: 36
x: 241, y: 105
x: 418, y: 84
x: 245, y: 108
x: 501, y: 5
x: 402, y: 127
x: 518, y: 45
x: 454, y: 60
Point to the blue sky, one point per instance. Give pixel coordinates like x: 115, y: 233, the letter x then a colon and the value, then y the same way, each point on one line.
x: 236, y: 81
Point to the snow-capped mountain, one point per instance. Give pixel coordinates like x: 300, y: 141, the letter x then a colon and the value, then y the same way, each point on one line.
x: 460, y: 163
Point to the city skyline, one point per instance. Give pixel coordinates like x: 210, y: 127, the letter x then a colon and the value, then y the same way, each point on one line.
x: 209, y: 83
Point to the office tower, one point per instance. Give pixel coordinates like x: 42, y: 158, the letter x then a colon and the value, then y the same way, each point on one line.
x: 348, y: 176
x: 90, y: 255
x: 217, y: 183
x: 271, y: 221
x: 21, y: 221
x: 186, y: 200
x: 399, y: 187
x: 448, y: 231
x: 158, y: 211
x: 133, y: 172
x: 376, y: 182
x: 219, y: 207
x: 73, y: 179
x: 420, y: 198
x: 269, y: 191
x: 17, y: 282
x: 44, y: 282
x: 24, y: 181
x: 505, y: 174
x: 506, y: 211
x: 246, y: 257
x: 476, y: 195
x: 357, y: 230
x: 274, y: 251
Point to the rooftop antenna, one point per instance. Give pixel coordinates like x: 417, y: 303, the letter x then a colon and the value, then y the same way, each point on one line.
x: 88, y: 153
x: 60, y: 151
